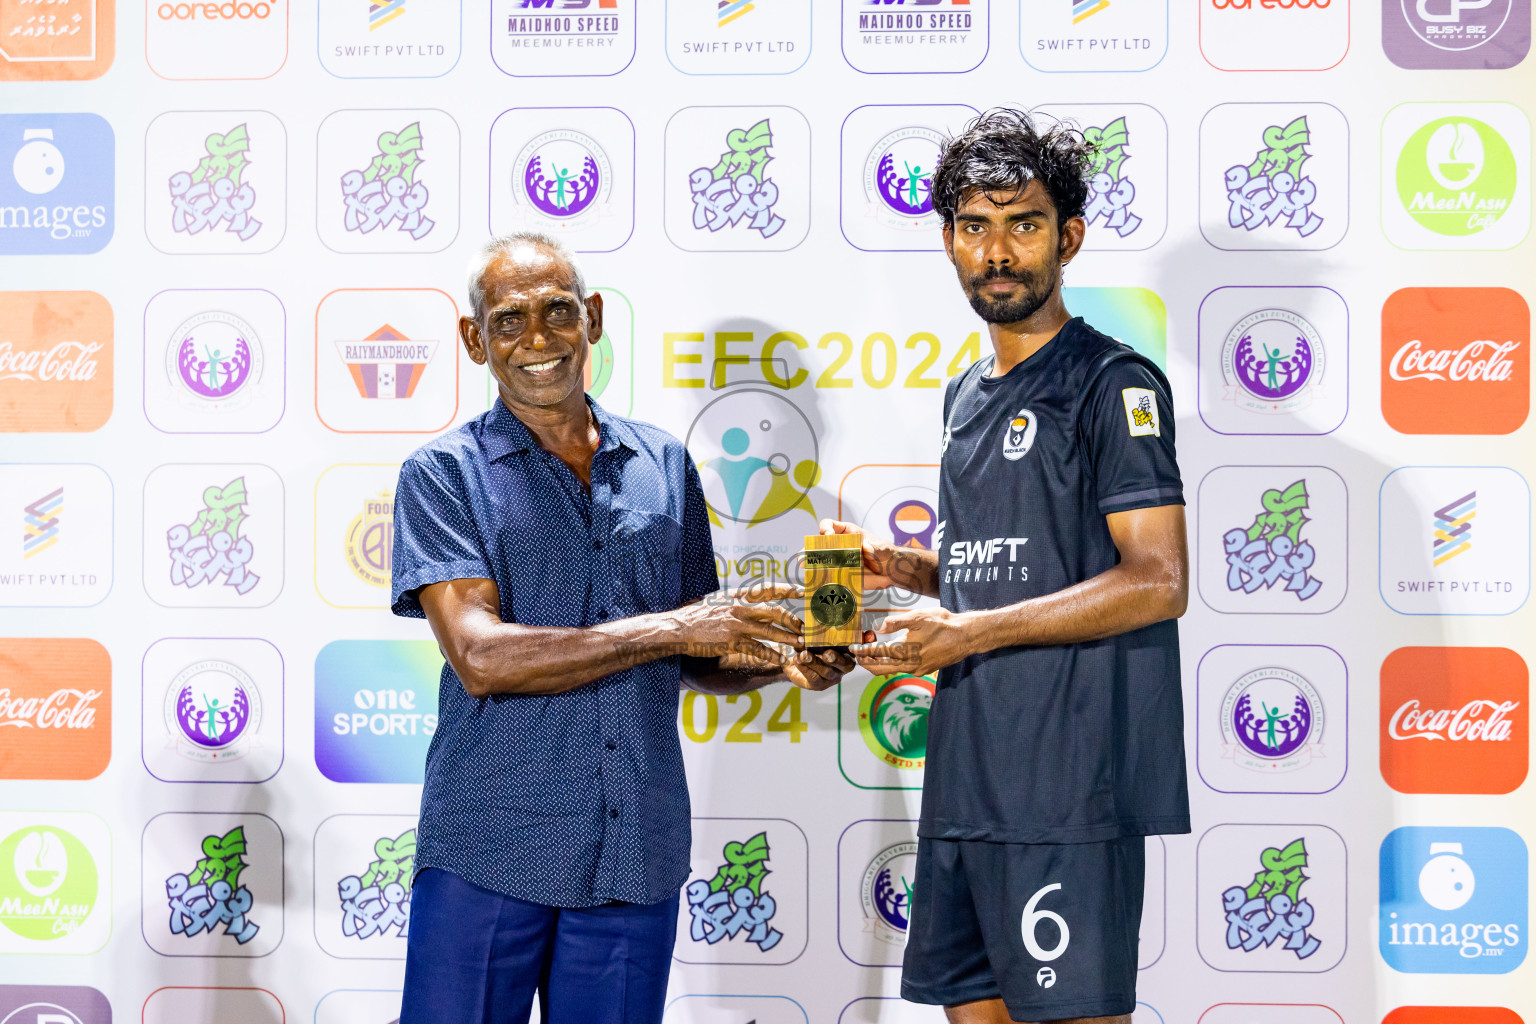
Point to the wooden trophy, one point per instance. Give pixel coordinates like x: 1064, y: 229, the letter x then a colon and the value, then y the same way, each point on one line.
x: 834, y: 581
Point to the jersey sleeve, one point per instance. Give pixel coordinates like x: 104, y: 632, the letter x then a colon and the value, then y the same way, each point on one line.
x: 700, y: 576
x: 435, y: 537
x: 1128, y: 430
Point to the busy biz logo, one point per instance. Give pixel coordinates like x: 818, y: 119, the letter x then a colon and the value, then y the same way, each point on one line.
x: 1292, y: 192
x: 210, y: 548
x: 1298, y: 35
x: 56, y: 357
x: 1127, y: 203
x: 375, y: 709
x: 212, y: 884
x: 378, y: 901
x: 55, y: 883
x: 53, y: 1004
x: 1275, y: 547
x: 893, y: 718
x: 216, y: 39
x: 55, y: 709
x: 544, y: 37
x: 1272, y: 551
x: 215, y: 182
x: 907, y: 36
x: 59, y: 556
x: 212, y: 894
x: 1454, y: 720
x: 1453, y: 900
x: 734, y: 903
x: 736, y: 37
x: 1467, y: 553
x: 1270, y: 909
x: 220, y: 529
x: 386, y: 194
x: 364, y: 869
x: 58, y: 196
x: 885, y: 893
x: 750, y: 194
x: 1272, y: 721
x: 388, y: 180
x: 1455, y: 360
x: 1273, y: 188
x: 66, y: 40
x: 737, y: 191
x: 1094, y: 35
x: 390, y: 38
x: 1110, y: 191
x: 385, y: 375
x: 1271, y: 898
x: 1421, y: 34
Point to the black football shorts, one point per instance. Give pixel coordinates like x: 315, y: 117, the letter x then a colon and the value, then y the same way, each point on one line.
x: 1049, y: 928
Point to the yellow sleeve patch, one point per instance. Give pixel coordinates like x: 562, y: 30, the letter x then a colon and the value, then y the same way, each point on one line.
x: 1141, y: 412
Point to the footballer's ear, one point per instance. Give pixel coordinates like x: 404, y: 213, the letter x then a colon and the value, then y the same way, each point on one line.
x: 947, y: 231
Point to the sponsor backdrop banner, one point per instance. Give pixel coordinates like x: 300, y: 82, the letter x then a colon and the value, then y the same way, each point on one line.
x: 232, y: 240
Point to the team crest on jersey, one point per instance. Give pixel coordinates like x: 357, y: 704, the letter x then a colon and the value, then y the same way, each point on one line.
x: 1019, y: 437
x: 1141, y: 412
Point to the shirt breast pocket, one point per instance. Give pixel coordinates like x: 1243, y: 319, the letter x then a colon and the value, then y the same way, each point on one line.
x: 648, y: 550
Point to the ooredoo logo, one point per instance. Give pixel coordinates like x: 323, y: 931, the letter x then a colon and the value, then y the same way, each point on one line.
x: 1455, y: 360
x: 55, y: 361
x: 216, y: 39
x: 1274, y: 35
x: 1454, y: 720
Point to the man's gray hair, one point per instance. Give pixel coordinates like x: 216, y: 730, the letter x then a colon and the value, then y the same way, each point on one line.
x: 504, y: 244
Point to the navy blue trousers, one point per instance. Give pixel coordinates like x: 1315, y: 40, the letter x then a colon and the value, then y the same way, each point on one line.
x: 478, y: 957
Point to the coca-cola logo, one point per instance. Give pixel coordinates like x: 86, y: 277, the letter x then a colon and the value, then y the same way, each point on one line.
x: 64, y: 708
x: 1484, y: 720
x: 1476, y: 360
x: 66, y: 360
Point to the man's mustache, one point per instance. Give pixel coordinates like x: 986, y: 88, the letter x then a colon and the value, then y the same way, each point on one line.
x: 1004, y: 274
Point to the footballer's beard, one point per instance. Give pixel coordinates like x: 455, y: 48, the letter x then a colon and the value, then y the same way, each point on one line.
x: 1011, y: 309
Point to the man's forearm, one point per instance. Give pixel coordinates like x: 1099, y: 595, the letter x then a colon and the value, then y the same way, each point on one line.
x: 1115, y: 601
x: 517, y: 659
x: 716, y: 676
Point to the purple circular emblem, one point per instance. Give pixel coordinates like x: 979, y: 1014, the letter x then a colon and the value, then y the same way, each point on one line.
x: 215, y: 354
x: 563, y: 173
x: 904, y: 175
x: 1273, y: 355
x: 213, y: 708
x: 1273, y: 721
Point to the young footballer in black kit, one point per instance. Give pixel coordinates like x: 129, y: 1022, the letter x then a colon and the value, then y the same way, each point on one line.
x: 1056, y: 739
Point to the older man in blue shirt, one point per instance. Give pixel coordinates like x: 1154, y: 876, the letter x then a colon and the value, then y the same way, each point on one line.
x: 562, y: 555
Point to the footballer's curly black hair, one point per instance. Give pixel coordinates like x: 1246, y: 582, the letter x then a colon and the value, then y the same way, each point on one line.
x: 1000, y: 152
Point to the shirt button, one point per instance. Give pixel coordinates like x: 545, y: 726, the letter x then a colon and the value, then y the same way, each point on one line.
x: 598, y: 545
x: 613, y: 814
x: 612, y: 745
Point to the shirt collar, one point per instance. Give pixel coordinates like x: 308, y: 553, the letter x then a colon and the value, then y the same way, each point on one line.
x: 504, y: 433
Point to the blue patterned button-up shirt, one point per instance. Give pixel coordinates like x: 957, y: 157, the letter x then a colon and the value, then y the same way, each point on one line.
x: 577, y: 798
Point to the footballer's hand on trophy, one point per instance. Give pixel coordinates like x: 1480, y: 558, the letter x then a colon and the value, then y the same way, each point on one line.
x: 882, y: 561
x: 818, y: 670
x: 935, y: 638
